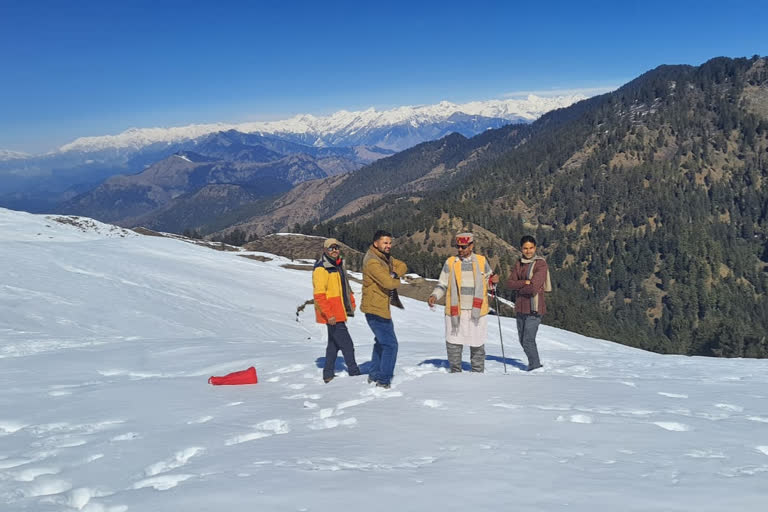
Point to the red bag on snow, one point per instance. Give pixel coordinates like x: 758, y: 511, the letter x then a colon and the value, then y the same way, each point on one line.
x: 242, y: 377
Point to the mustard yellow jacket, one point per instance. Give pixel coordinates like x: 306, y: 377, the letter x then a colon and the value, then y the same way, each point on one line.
x: 377, y: 282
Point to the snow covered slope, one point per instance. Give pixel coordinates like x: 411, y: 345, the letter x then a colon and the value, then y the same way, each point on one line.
x: 107, y: 339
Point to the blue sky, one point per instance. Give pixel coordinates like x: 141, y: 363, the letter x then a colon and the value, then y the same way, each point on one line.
x: 83, y: 68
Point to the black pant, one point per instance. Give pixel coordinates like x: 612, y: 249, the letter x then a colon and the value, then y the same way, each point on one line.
x: 339, y: 339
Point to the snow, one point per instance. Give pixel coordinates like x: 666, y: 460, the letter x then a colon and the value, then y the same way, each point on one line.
x: 338, y: 125
x: 6, y: 154
x: 107, y: 340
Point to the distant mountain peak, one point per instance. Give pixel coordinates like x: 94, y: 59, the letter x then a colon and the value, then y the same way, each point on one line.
x: 6, y: 154
x: 340, y: 128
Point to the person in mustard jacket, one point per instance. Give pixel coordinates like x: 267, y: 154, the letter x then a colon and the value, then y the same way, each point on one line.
x: 381, y: 278
x: 464, y: 281
x: 334, y: 302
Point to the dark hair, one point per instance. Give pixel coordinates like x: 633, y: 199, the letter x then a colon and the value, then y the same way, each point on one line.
x: 381, y: 234
x: 527, y: 238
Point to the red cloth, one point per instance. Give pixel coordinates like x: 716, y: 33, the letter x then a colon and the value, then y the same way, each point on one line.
x: 242, y: 377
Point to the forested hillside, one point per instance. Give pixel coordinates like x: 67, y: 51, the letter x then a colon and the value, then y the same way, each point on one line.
x: 650, y: 203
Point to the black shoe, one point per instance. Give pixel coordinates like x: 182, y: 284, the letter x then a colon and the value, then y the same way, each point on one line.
x: 355, y: 374
x: 328, y: 379
x: 531, y: 368
x: 382, y: 385
x: 370, y: 380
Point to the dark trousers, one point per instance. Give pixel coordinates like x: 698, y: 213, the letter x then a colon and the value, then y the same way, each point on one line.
x: 527, y: 327
x: 339, y: 339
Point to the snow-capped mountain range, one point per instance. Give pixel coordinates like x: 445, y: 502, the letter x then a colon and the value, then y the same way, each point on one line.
x: 11, y: 155
x: 342, y: 128
x: 40, y: 182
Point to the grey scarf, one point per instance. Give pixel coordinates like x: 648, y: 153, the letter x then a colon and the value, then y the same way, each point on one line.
x: 547, y: 282
x: 477, y: 300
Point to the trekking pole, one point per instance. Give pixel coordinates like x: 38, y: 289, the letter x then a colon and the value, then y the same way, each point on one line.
x: 498, y: 316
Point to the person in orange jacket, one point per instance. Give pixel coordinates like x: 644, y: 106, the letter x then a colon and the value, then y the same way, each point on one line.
x: 334, y: 302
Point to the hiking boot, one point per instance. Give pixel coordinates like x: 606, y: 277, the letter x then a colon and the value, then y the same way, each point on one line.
x: 531, y: 368
x: 382, y: 385
x: 328, y: 379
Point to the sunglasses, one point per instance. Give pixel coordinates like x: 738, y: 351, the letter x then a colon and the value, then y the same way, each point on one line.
x: 334, y: 248
x: 462, y: 247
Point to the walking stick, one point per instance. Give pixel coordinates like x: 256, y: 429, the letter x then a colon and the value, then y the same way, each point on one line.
x: 498, y: 316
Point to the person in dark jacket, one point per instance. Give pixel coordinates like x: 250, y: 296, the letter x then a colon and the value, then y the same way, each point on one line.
x: 334, y: 302
x: 530, y: 278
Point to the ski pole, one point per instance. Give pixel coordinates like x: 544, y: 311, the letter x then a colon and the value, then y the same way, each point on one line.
x: 498, y: 316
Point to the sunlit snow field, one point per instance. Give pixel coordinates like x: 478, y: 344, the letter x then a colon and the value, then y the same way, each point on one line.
x: 107, y: 339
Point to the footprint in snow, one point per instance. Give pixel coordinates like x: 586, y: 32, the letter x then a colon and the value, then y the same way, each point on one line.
x: 244, y: 438
x: 59, y: 393
x: 327, y: 423
x: 47, y: 487
x: 81, y: 497
x: 71, y: 443
x: 290, y: 369
x: 202, y: 419
x: 730, y: 407
x: 300, y: 396
x: 275, y: 426
x: 672, y: 426
x: 762, y: 449
x: 162, y: 483
x: 325, y: 418
x: 759, y: 419
x: 352, y: 403
x: 89, y: 459
x: 263, y: 429
x: 705, y: 454
x: 508, y: 406
x: 10, y: 426
x: 672, y: 395
x: 576, y: 418
x: 434, y: 404
x: 179, y: 459
x: 30, y: 474
x: 381, y: 392
x: 128, y: 436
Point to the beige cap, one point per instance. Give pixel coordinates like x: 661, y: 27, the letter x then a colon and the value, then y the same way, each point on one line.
x: 330, y: 242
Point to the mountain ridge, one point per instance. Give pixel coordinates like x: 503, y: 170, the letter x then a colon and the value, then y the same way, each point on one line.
x: 649, y: 202
x: 334, y: 129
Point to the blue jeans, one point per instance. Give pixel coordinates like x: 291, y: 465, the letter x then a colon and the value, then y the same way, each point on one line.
x: 384, y: 348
